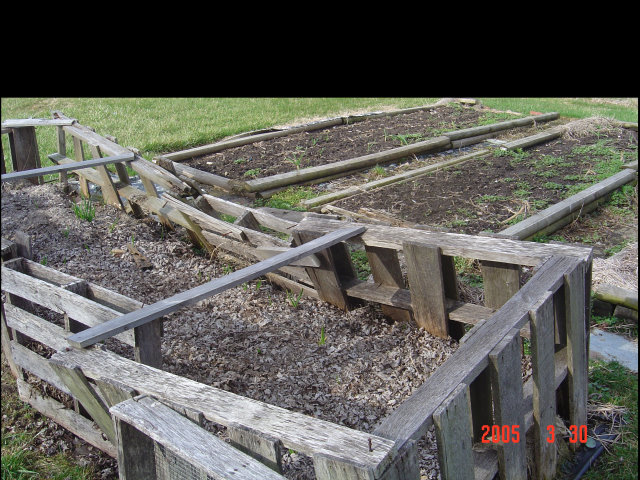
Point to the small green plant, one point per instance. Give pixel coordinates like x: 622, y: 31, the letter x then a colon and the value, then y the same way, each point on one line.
x: 84, y: 210
x: 112, y: 227
x: 239, y: 161
x: 293, y: 299
x: 378, y: 172
x: 553, y: 186
x: 253, y: 173
x: 44, y: 260
x: 65, y: 232
x: 258, y: 284
x: 227, y: 218
x: 296, y: 160
x: 361, y: 264
x: 227, y: 269
x: 323, y: 337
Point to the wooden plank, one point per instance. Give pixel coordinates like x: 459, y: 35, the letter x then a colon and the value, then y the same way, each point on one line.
x: 412, y: 418
x: 453, y: 244
x: 81, y: 389
x: 59, y: 300
x: 577, y: 334
x: 299, y: 432
x: 78, y: 154
x: 37, y: 365
x: 109, y: 192
x: 35, y: 122
x: 194, y: 295
x: 35, y: 327
x: 143, y: 167
x: 506, y: 384
x: 188, y: 441
x: 327, y: 278
x: 267, y: 252
x: 576, y: 203
x: 454, y: 435
x: 304, y: 174
x: 263, y: 448
x: 424, y: 271
x: 75, y: 423
x: 499, y: 126
x: 25, y: 152
x: 544, y: 392
x: 66, y: 167
x: 617, y: 295
x: 531, y: 140
x: 386, y: 271
x: 219, y: 226
x: 501, y: 281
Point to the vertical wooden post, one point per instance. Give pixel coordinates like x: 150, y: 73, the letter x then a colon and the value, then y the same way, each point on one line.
x: 148, y: 343
x: 62, y: 150
x: 454, y: 434
x: 501, y: 282
x: 577, y: 328
x: 506, y: 379
x: 25, y: 149
x: 78, y: 154
x: 136, y: 452
x: 544, y: 392
x: 261, y: 447
x: 386, y: 271
x: 481, y: 403
x: 426, y: 283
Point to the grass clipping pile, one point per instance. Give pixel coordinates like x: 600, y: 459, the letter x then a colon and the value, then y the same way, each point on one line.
x: 351, y: 368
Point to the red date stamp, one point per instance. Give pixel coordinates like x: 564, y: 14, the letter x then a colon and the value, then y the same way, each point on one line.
x: 511, y: 434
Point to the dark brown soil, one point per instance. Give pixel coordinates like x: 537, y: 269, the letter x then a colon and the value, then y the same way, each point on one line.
x: 490, y: 193
x: 342, y: 142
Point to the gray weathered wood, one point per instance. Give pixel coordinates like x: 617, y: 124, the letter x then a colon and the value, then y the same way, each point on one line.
x: 454, y: 435
x: 386, y: 271
x: 412, y: 418
x: 424, y: 271
x: 35, y: 327
x: 577, y: 363
x: 194, y: 295
x: 75, y: 423
x: 58, y: 299
x: 453, y: 244
x: 498, y: 126
x: 544, y: 391
x: 188, y: 441
x: 304, y: 174
x: 81, y: 389
x: 617, y: 295
x: 508, y: 403
x: 66, y: 168
x: 25, y: 154
x: 299, y: 432
x: 501, y: 281
x: 531, y: 140
x: 528, y: 227
x: 263, y: 448
x: 35, y: 122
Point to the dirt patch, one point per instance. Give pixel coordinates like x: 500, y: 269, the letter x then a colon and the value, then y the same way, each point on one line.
x: 488, y: 194
x: 342, y: 142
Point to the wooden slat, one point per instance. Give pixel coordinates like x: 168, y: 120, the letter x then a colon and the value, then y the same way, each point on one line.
x: 386, y: 271
x: 454, y: 435
x: 544, y: 392
x: 194, y: 295
x: 508, y: 401
x: 424, y: 270
x: 81, y: 389
x: 75, y: 423
x: 65, y: 168
x: 188, y: 441
x: 35, y: 327
x: 60, y: 300
x: 265, y: 449
x: 35, y: 122
x: 299, y: 432
x: 412, y: 418
x: 501, y: 281
x: 454, y: 244
x: 577, y: 329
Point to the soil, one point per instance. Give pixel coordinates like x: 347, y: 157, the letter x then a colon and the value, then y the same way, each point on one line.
x: 250, y: 340
x: 342, y: 142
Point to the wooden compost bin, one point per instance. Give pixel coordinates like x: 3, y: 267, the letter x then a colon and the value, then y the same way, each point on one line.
x: 477, y: 388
